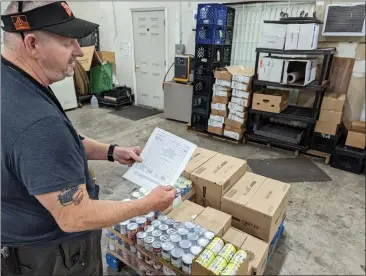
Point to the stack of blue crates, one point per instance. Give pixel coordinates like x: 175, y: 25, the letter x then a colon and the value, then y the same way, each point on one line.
x: 214, y: 33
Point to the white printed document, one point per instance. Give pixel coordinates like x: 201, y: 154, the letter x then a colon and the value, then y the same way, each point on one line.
x: 165, y: 156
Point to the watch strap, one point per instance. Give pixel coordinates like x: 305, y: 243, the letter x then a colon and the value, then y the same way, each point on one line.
x: 110, y: 152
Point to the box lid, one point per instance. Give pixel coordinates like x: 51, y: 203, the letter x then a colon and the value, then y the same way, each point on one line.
x: 235, y: 237
x: 199, y: 157
x: 214, y: 220
x: 258, y: 251
x: 186, y: 211
x: 358, y: 126
x: 240, y: 70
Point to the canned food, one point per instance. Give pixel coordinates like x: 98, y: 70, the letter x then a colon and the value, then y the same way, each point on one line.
x: 140, y: 236
x: 148, y: 241
x: 163, y: 228
x: 139, y: 255
x: 170, y: 222
x: 193, y: 237
x: 183, y: 232
x: 185, y: 245
x: 205, y: 258
x: 176, y: 257
x: 216, y: 245
x: 239, y: 257
x: 190, y: 226
x: 177, y: 225
x: 157, y: 265
x: 123, y: 227
x: 175, y: 239
x: 149, y: 218
x: 217, y: 265
x: 143, y: 191
x: 195, y: 250
x: 156, y: 223
x: 162, y: 218
x: 187, y: 263
x: 142, y: 222
x: 209, y: 235
x: 132, y: 220
x: 171, y: 231
x: 227, y: 252
x: 157, y: 248
x: 168, y: 271
x: 136, y: 195
x: 132, y: 231
x: 164, y: 238
x: 166, y: 248
x: 230, y: 269
x: 133, y: 249
x: 149, y: 230
x: 116, y: 227
x: 199, y: 230
x: 156, y: 234
x: 203, y: 242
x: 112, y: 246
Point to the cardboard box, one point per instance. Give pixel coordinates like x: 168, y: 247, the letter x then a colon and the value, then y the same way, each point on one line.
x: 239, y: 114
x: 333, y: 102
x: 273, y: 36
x: 222, y: 74
x: 234, y: 133
x: 257, y: 249
x: 214, y: 220
x: 241, y: 94
x: 199, y: 157
x: 299, y: 72
x: 235, y: 121
x: 270, y: 100
x: 86, y: 60
x: 218, y: 106
x: 240, y: 101
x: 108, y: 56
x: 241, y: 86
x: 221, y: 93
x: 302, y: 36
x: 215, y: 177
x: 258, y: 205
x: 220, y: 88
x: 186, y: 211
x: 222, y: 100
x: 222, y: 113
x: 270, y: 69
x: 224, y: 83
x: 236, y: 107
x: 217, y: 118
x: 334, y: 117
x: 241, y: 74
x: 326, y: 127
x: 356, y: 136
x: 216, y: 130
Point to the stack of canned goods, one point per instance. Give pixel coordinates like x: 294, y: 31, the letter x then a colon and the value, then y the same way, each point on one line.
x: 183, y: 185
x: 221, y: 258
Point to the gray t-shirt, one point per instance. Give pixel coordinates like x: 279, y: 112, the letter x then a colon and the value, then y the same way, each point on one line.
x: 40, y: 153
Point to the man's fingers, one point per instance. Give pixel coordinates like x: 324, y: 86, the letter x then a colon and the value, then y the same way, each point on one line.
x: 137, y: 150
x: 135, y: 157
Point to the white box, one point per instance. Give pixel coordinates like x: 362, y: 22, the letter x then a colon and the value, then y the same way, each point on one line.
x: 217, y: 118
x: 215, y: 123
x: 270, y: 69
x: 236, y: 107
x: 239, y: 85
x: 237, y: 113
x: 233, y: 117
x: 302, y: 36
x: 218, y: 106
x: 223, y: 83
x: 240, y: 101
x: 273, y: 36
x: 240, y: 94
x: 305, y: 68
x: 220, y: 93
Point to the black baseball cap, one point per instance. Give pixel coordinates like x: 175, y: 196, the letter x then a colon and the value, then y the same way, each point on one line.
x: 56, y: 18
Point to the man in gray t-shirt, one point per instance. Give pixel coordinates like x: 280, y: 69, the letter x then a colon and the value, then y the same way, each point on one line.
x: 51, y: 216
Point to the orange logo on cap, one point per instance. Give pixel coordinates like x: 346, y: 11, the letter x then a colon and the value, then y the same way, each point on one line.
x: 67, y: 9
x: 20, y: 22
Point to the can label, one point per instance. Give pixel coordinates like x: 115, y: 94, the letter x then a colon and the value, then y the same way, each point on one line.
x: 165, y: 255
x: 227, y: 252
x: 239, y: 257
x: 176, y: 262
x: 230, y: 269
x: 217, y: 265
x: 216, y: 245
x: 186, y: 268
x: 205, y: 258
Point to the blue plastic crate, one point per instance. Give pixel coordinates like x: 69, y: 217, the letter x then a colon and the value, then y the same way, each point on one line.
x: 212, y: 14
x: 213, y: 34
x: 275, y: 240
x: 111, y: 261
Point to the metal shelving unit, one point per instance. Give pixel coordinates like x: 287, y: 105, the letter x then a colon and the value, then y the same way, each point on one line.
x: 292, y: 113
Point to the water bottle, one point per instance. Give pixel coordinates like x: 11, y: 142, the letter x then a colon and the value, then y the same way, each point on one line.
x: 94, y: 102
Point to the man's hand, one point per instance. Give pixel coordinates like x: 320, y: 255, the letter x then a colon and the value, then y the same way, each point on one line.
x: 127, y: 156
x: 160, y: 198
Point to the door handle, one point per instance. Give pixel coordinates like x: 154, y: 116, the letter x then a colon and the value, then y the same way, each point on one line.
x: 137, y: 66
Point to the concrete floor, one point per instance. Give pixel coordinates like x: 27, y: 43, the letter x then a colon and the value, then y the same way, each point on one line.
x: 325, y: 224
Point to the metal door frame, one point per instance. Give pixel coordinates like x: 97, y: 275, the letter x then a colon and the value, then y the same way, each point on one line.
x: 165, y: 10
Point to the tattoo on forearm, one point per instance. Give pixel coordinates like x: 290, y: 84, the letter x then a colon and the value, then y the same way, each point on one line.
x: 72, y: 195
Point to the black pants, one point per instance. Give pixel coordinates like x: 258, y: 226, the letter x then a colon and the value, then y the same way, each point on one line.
x: 77, y: 257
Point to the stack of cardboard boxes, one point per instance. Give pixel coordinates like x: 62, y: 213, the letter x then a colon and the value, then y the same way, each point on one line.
x: 356, y: 136
x: 256, y: 205
x: 331, y: 113
x: 240, y: 100
x: 219, y: 106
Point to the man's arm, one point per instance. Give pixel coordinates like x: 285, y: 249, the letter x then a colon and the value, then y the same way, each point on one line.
x: 74, y: 211
x: 99, y: 151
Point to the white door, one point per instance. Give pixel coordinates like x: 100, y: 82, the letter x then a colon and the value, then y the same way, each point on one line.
x: 149, y: 48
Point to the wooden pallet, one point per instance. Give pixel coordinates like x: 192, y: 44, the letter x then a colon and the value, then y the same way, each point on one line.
x: 320, y: 154
x: 212, y: 135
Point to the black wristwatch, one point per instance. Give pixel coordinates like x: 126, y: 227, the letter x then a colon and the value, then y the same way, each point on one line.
x: 110, y: 152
